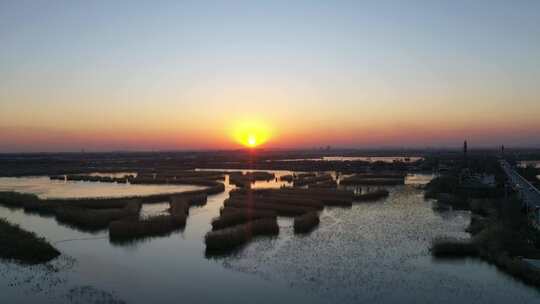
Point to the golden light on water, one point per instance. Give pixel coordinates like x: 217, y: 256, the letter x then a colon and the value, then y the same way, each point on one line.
x: 252, y: 133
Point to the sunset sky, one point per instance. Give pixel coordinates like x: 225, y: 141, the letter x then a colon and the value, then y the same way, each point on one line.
x: 161, y: 75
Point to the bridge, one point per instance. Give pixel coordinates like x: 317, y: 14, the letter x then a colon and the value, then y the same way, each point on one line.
x: 530, y: 196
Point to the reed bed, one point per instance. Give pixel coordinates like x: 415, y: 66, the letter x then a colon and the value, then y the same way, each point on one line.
x: 40, y: 207
x: 182, y: 177
x: 190, y: 199
x: 286, y: 178
x: 280, y: 209
x: 240, y: 216
x: 213, y: 187
x: 16, y: 199
x: 281, y: 200
x: 322, y: 192
x: 324, y: 184
x: 91, y: 178
x: 179, y: 206
x: 325, y: 196
x: 371, y: 196
x: 306, y: 222
x: 207, y: 175
x: 299, y: 182
x: 399, y: 175
x: 227, y: 210
x: 362, y: 180
x: 92, y: 203
x: 233, y: 237
x: 452, y: 248
x: 95, y: 219
x: 239, y: 180
x: 24, y: 246
x: 149, y: 180
x: 261, y: 175
x: 133, y: 228
x: 142, y: 175
x: 242, y: 179
x: 29, y: 202
x: 305, y: 175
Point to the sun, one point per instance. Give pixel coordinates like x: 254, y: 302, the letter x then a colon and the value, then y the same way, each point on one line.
x: 252, y: 141
x: 250, y: 133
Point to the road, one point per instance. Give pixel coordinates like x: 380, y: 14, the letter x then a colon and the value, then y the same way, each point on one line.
x: 528, y: 193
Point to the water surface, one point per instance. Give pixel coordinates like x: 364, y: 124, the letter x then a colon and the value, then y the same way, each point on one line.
x: 370, y: 253
x: 44, y: 187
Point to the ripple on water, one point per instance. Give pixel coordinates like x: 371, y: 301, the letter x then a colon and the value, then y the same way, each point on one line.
x: 377, y: 252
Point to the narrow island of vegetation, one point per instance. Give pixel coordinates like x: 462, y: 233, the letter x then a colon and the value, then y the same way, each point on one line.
x: 23, y: 246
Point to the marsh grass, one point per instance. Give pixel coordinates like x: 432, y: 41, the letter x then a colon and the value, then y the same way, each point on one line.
x: 244, y: 180
x: 179, y: 206
x: 230, y: 238
x: 189, y: 200
x: 286, y: 178
x: 24, y: 246
x: 397, y: 175
x: 453, y: 248
x: 371, y: 196
x: 304, y: 175
x: 280, y: 199
x: 312, y: 180
x: 239, y: 216
x: 324, y: 184
x: 363, y: 180
x: 280, y: 209
x: 306, y: 222
x: 95, y: 219
x: 16, y: 199
x: 330, y: 197
x: 133, y: 228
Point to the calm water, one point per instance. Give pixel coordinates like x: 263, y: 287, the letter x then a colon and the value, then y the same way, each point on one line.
x: 46, y: 188
x: 373, y: 252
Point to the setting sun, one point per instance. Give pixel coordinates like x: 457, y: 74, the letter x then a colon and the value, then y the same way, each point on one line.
x: 252, y: 141
x: 251, y: 133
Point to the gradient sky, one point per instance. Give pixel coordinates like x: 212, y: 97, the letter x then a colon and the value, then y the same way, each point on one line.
x: 152, y: 75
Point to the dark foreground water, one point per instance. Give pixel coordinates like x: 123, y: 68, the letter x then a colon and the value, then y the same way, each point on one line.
x: 370, y: 253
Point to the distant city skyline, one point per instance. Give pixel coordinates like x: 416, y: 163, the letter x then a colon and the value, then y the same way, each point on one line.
x: 184, y: 75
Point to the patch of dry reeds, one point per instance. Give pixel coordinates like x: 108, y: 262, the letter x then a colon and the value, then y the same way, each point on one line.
x: 233, y: 237
x: 306, y: 222
x: 240, y: 216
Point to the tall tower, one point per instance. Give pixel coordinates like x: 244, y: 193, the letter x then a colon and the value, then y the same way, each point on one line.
x: 465, y: 159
